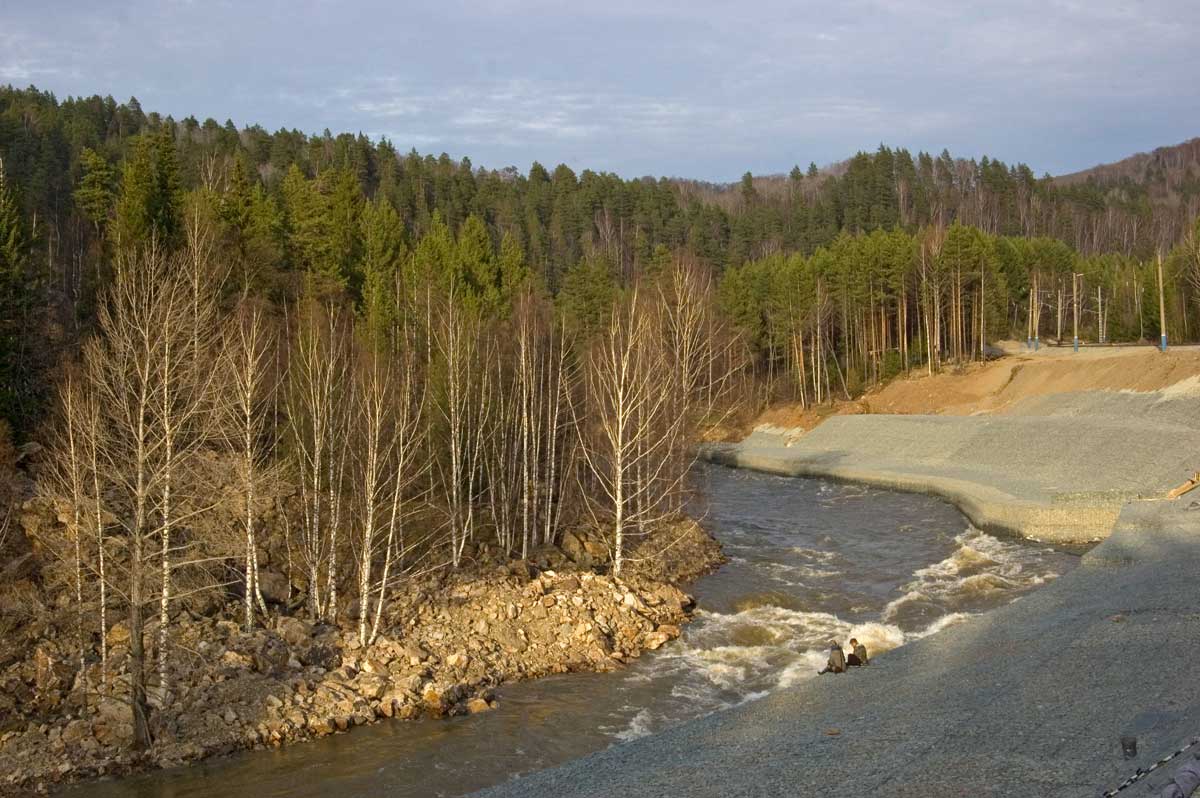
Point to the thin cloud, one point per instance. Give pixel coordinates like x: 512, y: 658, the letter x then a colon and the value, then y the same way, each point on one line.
x: 687, y: 87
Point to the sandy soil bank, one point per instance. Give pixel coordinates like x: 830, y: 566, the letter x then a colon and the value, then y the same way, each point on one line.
x: 1000, y: 385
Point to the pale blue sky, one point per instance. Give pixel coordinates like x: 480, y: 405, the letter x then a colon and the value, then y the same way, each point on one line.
x: 697, y: 89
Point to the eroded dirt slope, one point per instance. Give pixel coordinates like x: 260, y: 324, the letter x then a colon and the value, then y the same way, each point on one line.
x: 998, y: 386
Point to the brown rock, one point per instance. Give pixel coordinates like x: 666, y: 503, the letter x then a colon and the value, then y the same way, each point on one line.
x: 477, y: 705
x: 273, y: 586
x: 295, y: 632
x: 655, y: 640
x: 371, y: 686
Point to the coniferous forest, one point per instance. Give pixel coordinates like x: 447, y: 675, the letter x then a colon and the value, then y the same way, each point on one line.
x: 279, y: 374
x: 87, y: 178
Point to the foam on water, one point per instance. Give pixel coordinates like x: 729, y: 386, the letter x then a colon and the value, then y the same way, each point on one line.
x: 772, y: 639
x: 981, y: 568
x: 638, y: 727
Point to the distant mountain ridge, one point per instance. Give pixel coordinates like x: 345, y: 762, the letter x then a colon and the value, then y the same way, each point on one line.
x: 1144, y: 167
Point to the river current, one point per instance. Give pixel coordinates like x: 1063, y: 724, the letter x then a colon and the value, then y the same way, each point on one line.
x: 810, y: 561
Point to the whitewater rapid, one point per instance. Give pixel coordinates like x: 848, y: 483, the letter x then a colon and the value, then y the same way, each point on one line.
x: 865, y: 564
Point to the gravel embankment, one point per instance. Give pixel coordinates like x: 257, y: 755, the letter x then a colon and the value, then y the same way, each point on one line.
x: 1056, y: 468
x: 1028, y: 700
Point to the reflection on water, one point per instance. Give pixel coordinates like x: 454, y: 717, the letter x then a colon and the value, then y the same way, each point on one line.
x: 810, y: 561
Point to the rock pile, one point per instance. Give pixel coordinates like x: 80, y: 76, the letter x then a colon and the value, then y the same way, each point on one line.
x: 449, y: 639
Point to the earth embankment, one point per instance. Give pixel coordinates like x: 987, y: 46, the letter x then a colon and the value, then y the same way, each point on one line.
x: 1027, y: 700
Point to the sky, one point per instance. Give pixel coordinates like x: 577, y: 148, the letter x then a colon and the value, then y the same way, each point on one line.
x: 687, y: 88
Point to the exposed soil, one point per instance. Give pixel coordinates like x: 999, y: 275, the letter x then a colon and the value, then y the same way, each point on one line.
x: 996, y: 386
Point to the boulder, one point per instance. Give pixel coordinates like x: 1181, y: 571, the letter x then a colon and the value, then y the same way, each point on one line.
x: 295, y: 632
x: 273, y: 586
x: 271, y: 656
x: 477, y: 705
x: 573, y: 546
x: 321, y: 656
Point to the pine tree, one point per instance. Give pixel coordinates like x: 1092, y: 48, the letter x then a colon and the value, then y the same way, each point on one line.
x: 15, y: 297
x: 150, y: 205
x: 95, y: 194
x: 382, y: 252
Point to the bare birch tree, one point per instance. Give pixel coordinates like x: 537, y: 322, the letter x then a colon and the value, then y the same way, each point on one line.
x: 627, y: 445
x: 249, y: 353
x: 318, y: 416
x: 388, y: 415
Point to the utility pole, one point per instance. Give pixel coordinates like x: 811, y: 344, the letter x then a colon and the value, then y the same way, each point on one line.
x: 1162, y: 307
x: 1029, y: 322
x: 1037, y: 313
x: 1075, y: 302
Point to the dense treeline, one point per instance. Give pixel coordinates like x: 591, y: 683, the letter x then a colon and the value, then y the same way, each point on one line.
x: 85, y: 176
x: 872, y: 305
x: 1105, y: 213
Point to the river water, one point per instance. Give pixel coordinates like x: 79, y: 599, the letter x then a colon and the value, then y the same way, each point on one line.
x: 810, y: 561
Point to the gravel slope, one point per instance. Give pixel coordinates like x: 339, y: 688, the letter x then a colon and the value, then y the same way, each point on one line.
x: 1028, y: 700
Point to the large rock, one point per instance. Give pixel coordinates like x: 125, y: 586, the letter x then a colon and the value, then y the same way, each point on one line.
x: 273, y: 586
x: 372, y: 686
x: 572, y: 545
x: 295, y: 632
x: 271, y: 656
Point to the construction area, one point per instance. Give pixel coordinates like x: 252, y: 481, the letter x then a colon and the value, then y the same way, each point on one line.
x: 1034, y: 698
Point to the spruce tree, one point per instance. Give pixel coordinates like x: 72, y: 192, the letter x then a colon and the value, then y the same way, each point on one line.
x: 15, y: 299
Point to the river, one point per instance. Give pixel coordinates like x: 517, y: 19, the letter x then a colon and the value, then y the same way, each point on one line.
x: 810, y: 561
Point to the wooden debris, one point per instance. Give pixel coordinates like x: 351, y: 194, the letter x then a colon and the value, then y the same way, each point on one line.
x: 1185, y: 487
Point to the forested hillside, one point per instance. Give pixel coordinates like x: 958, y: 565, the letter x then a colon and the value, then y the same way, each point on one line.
x: 261, y: 376
x: 86, y: 177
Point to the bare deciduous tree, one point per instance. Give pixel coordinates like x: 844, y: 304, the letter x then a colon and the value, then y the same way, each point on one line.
x: 318, y: 415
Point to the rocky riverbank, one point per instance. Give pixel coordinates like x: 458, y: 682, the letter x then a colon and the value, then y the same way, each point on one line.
x: 449, y: 639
